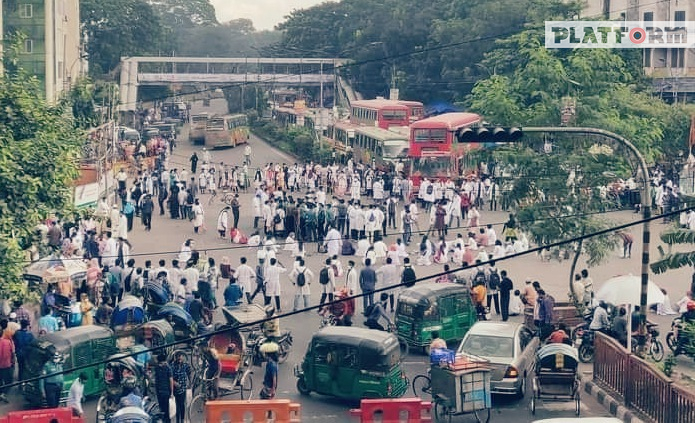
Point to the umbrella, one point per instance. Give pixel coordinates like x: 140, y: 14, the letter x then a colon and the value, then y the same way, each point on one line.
x: 626, y: 289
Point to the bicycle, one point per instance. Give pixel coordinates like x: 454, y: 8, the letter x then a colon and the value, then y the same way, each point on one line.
x: 241, y: 383
x: 422, y: 384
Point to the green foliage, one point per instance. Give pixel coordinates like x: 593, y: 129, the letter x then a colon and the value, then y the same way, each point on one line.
x: 118, y: 28
x: 669, y: 363
x: 39, y: 154
x: 81, y: 98
x: 296, y: 140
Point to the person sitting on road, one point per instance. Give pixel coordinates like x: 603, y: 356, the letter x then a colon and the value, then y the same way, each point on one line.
x: 600, y: 320
x: 232, y: 294
x: 560, y: 336
x: 378, y: 310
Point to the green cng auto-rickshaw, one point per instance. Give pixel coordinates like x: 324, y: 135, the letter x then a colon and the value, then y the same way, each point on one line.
x: 352, y: 363
x: 77, y: 346
x: 443, y: 307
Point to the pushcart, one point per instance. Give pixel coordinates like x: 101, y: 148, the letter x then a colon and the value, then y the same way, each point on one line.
x: 461, y: 388
x: 557, y: 378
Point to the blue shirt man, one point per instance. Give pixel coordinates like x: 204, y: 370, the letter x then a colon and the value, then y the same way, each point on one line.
x: 232, y: 294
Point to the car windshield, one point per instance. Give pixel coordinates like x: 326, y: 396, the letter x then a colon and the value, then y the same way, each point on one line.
x: 488, y: 346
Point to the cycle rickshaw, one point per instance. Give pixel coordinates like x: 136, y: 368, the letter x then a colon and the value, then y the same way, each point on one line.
x: 557, y: 377
x: 122, y: 376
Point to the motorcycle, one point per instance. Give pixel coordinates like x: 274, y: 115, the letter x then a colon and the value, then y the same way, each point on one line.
x: 656, y: 348
x: 585, y: 344
x: 256, y: 339
x: 676, y: 339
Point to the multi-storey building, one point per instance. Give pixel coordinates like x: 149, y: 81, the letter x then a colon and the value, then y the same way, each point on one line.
x: 52, y: 47
x: 672, y: 69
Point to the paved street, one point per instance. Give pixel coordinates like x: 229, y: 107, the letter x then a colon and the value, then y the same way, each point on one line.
x: 167, y: 236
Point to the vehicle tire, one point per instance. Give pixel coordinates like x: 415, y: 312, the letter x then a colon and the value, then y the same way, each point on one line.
x: 483, y: 416
x: 421, y: 385
x: 672, y: 342
x: 656, y: 349
x: 245, y: 387
x: 302, y: 388
x: 441, y: 412
x: 521, y: 393
x: 196, y: 410
x: 586, y: 353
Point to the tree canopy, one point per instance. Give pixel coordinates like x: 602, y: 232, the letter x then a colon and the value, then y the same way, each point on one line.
x: 39, y: 156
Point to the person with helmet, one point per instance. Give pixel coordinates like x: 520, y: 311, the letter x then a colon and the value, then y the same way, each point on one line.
x: 689, y: 315
x: 51, y: 383
x: 271, y: 327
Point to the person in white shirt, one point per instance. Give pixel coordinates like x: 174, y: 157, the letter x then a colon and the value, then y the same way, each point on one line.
x: 351, y: 278
x: 192, y: 275
x: 175, y: 274
x: 516, y: 306
x: 362, y: 247
x: 380, y: 250
x: 333, y: 242
x: 388, y: 275
x: 302, y: 291
x: 491, y: 236
x: 327, y: 281
x: 75, y: 395
x: 244, y: 276
x: 272, y: 283
x: 337, y: 266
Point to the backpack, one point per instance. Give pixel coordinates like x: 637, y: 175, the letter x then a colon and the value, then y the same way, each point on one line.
x: 372, y: 218
x: 335, y: 270
x: 301, y: 279
x: 494, y: 280
x: 324, y: 277
x: 277, y: 219
x: 408, y: 277
x: 368, y: 310
x: 479, y: 278
x: 429, y: 190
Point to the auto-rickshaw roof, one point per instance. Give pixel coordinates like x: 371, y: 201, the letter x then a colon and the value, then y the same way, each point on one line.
x: 421, y: 294
x: 358, y: 337
x: 63, y: 339
x: 175, y: 310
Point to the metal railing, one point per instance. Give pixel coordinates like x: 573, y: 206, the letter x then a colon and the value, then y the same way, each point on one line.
x: 640, y: 385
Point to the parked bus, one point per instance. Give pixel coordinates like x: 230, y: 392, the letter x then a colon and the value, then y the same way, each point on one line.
x: 380, y: 147
x: 196, y: 134
x: 416, y: 110
x: 226, y: 131
x: 433, y: 149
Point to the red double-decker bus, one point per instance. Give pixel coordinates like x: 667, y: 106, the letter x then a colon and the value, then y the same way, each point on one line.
x: 383, y: 113
x: 434, y: 152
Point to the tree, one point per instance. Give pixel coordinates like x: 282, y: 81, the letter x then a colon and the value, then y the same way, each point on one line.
x: 117, y: 28
x: 39, y: 154
x: 184, y: 13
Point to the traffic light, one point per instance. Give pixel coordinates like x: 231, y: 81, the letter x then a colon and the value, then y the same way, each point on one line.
x: 485, y: 134
x: 512, y: 134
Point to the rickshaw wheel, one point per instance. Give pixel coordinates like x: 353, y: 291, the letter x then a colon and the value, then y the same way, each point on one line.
x: 246, y: 386
x: 421, y: 385
x: 196, y: 410
x: 301, y: 386
x: 483, y: 416
x: 282, y: 357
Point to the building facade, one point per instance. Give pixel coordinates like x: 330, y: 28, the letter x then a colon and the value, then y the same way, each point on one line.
x: 673, y: 69
x: 52, y: 47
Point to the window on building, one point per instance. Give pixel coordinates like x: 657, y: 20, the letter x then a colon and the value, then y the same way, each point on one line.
x: 648, y: 17
x: 679, y: 16
x: 28, y: 46
x: 26, y: 11
x: 677, y: 57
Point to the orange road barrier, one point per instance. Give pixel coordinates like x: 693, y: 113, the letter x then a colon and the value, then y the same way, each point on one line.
x: 396, y: 410
x: 63, y: 415
x: 240, y: 411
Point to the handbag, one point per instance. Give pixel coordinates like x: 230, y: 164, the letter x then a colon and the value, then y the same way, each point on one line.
x: 172, y: 407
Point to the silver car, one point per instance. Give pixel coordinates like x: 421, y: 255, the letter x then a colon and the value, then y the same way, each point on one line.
x: 509, y: 347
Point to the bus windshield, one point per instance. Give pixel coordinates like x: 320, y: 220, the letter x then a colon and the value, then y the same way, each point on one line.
x: 199, y: 119
x: 215, y: 124
x: 430, y: 135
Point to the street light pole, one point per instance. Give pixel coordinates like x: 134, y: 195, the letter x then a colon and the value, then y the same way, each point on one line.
x: 646, y: 206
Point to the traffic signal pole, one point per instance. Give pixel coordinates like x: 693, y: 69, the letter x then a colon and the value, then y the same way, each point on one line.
x: 645, y: 204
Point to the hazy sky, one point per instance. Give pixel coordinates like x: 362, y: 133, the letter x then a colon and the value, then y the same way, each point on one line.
x: 265, y: 14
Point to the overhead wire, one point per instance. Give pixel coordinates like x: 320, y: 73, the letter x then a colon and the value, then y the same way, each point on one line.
x: 191, y: 340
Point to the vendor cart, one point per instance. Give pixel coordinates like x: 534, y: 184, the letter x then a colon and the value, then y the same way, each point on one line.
x: 461, y: 389
x: 245, y: 315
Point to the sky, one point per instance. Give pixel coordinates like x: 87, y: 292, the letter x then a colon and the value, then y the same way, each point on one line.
x: 265, y: 14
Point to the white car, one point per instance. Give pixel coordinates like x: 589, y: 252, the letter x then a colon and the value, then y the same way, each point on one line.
x: 580, y: 420
x: 510, y: 349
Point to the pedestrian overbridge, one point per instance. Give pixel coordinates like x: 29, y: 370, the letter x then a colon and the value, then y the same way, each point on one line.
x: 141, y: 71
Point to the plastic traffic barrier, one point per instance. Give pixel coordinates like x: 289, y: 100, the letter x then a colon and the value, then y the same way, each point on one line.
x: 240, y: 411
x: 392, y: 410
x: 63, y: 415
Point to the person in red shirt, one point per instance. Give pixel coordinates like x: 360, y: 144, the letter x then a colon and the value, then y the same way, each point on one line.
x: 6, y: 361
x: 560, y: 336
